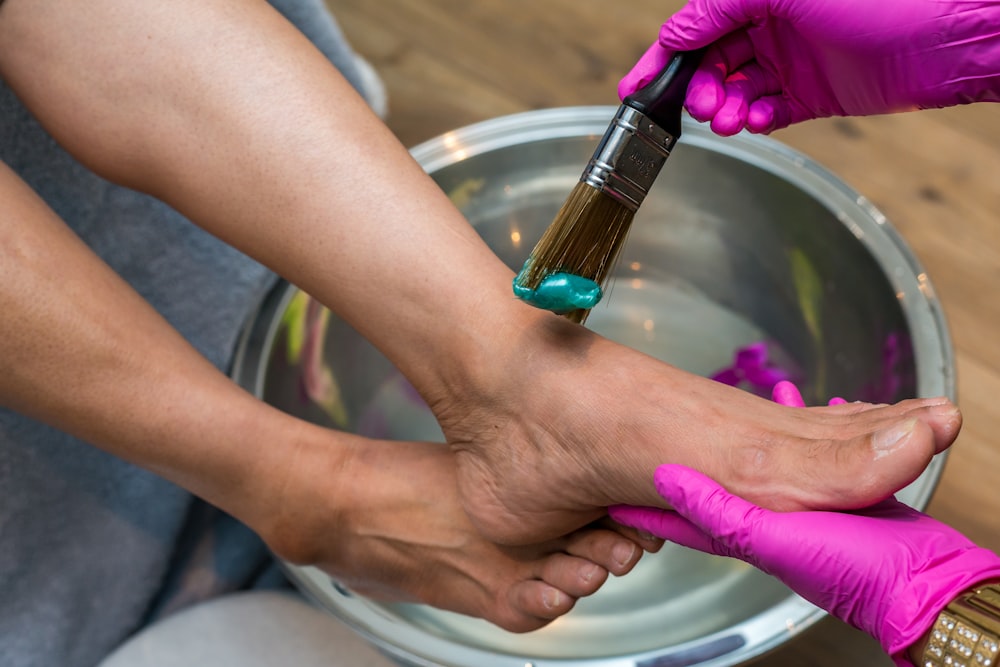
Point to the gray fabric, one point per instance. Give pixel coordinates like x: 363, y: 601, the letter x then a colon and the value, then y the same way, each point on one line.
x: 92, y: 547
x: 257, y: 629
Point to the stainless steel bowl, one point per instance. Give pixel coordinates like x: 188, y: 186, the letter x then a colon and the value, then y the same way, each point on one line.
x: 740, y: 240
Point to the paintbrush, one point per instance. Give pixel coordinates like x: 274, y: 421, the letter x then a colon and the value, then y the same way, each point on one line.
x: 568, y: 267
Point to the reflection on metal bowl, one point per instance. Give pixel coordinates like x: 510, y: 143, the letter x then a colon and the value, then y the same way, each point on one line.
x: 740, y: 241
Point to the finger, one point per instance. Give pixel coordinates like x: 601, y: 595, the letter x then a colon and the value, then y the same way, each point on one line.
x: 742, y: 88
x: 774, y: 112
x: 768, y: 114
x: 706, y: 91
x: 788, y: 394
x: 705, y: 94
x: 645, y: 70
x: 731, y: 117
x: 716, y: 512
x: 666, y: 524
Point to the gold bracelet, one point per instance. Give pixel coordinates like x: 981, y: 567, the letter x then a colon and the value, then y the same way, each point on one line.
x: 967, y: 632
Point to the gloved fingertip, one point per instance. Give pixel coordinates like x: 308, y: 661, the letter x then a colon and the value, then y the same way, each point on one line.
x: 700, y: 500
x: 705, y: 96
x: 645, y: 70
x: 647, y: 520
x: 630, y: 83
x: 836, y: 400
x: 623, y: 514
x: 625, y: 87
x: 663, y: 479
x: 726, y: 125
x: 698, y: 111
x: 786, y: 393
x: 672, y: 481
x: 775, y: 112
x: 732, y: 116
x: 761, y: 119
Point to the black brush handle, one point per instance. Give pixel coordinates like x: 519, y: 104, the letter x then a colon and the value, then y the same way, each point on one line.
x: 662, y: 99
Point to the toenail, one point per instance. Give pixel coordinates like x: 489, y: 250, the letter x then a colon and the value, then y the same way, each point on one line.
x: 552, y: 598
x: 589, y: 571
x: 623, y: 553
x: 887, y: 440
x: 945, y: 409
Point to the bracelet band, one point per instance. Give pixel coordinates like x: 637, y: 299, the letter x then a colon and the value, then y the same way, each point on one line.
x: 967, y: 632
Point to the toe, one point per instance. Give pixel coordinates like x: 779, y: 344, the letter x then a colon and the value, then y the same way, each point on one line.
x: 944, y: 420
x: 852, y: 457
x: 538, y: 603
x: 867, y: 469
x: 612, y: 550
x: 900, y: 453
x: 572, y: 575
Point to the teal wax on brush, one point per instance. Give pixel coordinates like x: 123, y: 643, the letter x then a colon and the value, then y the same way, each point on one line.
x: 560, y: 292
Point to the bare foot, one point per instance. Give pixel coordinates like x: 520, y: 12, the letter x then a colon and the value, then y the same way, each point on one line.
x: 389, y: 525
x: 579, y: 423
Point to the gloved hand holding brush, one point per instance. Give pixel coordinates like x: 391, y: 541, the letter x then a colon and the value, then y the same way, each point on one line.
x: 569, y: 265
x: 773, y: 63
x: 887, y: 570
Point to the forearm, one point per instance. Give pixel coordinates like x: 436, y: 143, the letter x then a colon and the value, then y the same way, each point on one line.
x: 82, y: 351
x: 223, y: 110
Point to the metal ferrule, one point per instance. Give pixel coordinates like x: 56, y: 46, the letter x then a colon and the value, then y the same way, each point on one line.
x: 629, y: 157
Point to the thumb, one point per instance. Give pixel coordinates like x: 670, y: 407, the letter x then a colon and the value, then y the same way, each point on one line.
x: 727, y: 518
x: 702, y: 22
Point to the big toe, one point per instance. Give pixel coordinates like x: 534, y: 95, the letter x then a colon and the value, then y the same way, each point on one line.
x: 872, y: 467
x: 863, y: 466
x: 943, y: 418
x: 899, y: 454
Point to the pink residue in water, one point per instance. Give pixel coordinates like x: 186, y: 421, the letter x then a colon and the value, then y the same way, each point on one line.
x: 753, y: 370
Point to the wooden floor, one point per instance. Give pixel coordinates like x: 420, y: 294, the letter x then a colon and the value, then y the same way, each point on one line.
x: 935, y: 174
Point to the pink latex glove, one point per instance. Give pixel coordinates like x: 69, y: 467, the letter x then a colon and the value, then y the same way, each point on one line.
x: 887, y: 570
x: 777, y: 62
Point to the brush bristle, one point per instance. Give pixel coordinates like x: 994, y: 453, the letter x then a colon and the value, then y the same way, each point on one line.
x: 584, y: 239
